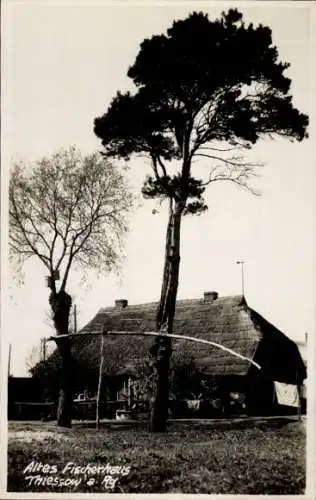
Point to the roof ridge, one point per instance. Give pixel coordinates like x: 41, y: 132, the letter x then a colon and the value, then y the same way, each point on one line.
x: 179, y: 302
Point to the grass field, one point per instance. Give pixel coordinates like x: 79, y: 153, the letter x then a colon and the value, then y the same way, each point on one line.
x: 188, y: 459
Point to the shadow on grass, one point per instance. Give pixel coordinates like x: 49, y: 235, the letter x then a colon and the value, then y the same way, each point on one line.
x: 264, y: 458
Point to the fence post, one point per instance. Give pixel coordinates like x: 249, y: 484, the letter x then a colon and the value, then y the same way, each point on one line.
x: 299, y: 407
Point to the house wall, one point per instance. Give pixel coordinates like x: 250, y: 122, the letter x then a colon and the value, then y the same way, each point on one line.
x: 278, y: 356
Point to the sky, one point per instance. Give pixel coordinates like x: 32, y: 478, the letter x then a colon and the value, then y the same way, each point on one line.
x: 63, y: 62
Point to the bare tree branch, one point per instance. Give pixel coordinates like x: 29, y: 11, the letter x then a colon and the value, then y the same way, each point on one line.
x: 26, y: 235
x: 63, y: 203
x: 235, y: 171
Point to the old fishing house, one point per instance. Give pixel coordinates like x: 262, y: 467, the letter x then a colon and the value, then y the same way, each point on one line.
x: 202, y: 371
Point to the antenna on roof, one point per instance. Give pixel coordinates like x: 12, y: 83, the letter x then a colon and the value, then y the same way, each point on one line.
x: 242, y: 276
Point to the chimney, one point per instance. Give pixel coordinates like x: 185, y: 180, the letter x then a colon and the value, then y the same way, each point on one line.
x: 121, y: 303
x: 210, y: 296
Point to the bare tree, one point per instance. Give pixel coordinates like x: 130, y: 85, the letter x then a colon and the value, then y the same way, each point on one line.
x: 32, y: 357
x: 38, y: 353
x: 69, y: 211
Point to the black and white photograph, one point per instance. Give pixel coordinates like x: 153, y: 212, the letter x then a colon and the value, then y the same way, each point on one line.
x: 158, y: 248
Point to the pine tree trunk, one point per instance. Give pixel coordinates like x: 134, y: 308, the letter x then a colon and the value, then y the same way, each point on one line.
x: 162, y: 349
x: 165, y: 276
x: 61, y: 303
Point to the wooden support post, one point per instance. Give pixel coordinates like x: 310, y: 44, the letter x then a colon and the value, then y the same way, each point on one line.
x: 129, y: 394
x: 298, y: 388
x: 9, y: 360
x: 99, y: 383
x: 75, y: 318
x: 299, y: 408
x: 43, y: 348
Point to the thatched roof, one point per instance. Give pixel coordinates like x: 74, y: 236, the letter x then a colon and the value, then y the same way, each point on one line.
x: 226, y: 320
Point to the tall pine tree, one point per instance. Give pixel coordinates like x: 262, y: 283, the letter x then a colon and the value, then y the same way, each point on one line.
x: 204, y: 90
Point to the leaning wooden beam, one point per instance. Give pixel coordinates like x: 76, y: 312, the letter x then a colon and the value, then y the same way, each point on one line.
x: 157, y: 334
x: 100, y: 382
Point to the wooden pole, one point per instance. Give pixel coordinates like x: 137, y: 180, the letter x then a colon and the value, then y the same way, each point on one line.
x: 242, y: 276
x: 299, y: 409
x: 298, y: 387
x: 75, y: 318
x: 99, y: 383
x: 9, y: 360
x: 129, y: 394
x: 44, y: 348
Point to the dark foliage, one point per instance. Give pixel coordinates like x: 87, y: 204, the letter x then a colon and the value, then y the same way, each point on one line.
x: 203, y: 81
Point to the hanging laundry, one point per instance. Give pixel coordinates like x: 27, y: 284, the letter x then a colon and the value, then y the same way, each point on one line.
x: 286, y: 394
